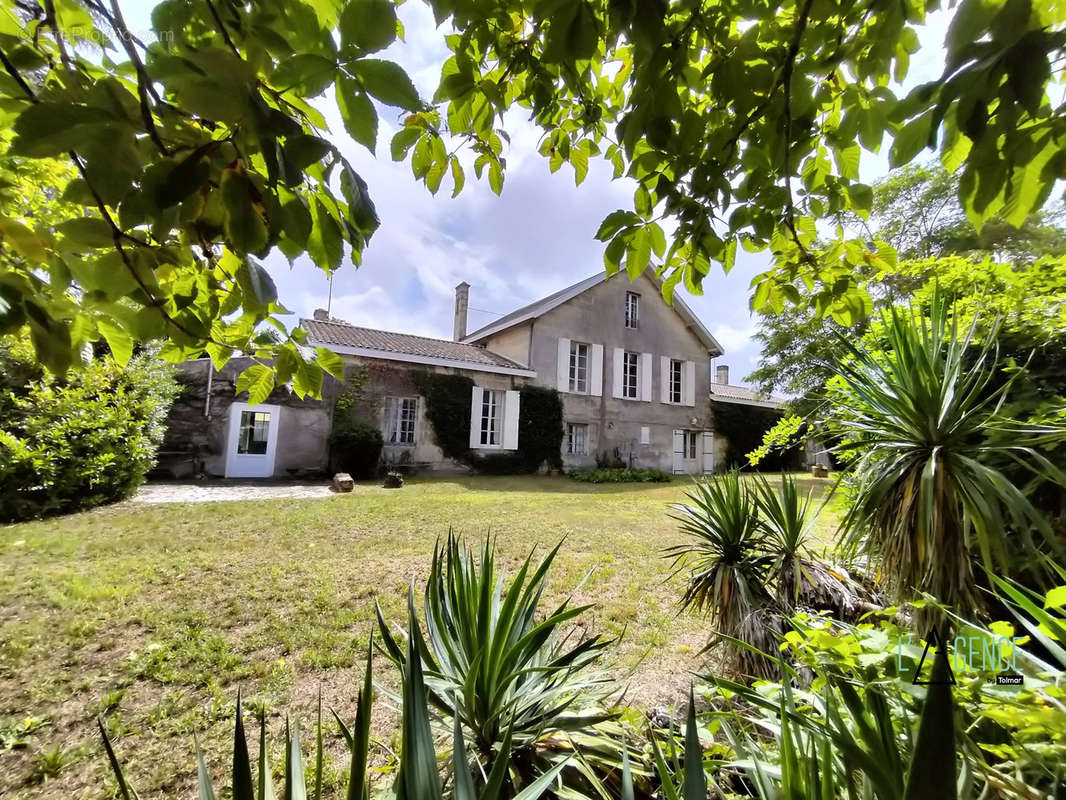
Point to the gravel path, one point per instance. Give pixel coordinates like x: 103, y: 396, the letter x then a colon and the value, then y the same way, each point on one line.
x: 213, y: 491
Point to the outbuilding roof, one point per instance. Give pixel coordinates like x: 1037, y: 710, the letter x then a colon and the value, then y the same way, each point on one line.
x: 342, y: 337
x: 742, y: 395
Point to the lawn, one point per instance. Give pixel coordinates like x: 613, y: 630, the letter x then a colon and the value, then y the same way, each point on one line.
x: 153, y: 616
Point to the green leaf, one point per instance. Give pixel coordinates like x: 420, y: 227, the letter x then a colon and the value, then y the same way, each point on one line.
x: 387, y: 82
x: 402, y: 142
x: 331, y: 363
x: 25, y: 242
x: 203, y: 779
x: 305, y: 150
x: 118, y: 340
x: 90, y: 232
x: 360, y: 118
x: 258, y: 381
x: 307, y: 380
x: 910, y: 140
x: 242, y: 766
x: 458, y: 178
x: 51, y: 129
x: 324, y: 244
x: 614, y: 222
x: 638, y: 252
x: 308, y: 74
x: 1056, y: 598
x: 243, y: 223
x: 572, y: 33
x: 368, y: 25
x: 932, y: 769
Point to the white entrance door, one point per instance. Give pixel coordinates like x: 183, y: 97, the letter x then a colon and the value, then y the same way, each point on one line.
x: 252, y: 441
x: 679, y: 453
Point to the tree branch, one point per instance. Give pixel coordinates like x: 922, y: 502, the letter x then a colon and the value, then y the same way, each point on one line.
x: 143, y: 79
x: 222, y: 27
x: 786, y: 81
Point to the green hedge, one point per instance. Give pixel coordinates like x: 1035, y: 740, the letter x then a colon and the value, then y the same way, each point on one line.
x: 355, y: 448
x: 620, y: 475
x: 75, y: 442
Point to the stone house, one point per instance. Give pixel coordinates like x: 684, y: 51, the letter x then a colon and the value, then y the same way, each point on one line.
x: 632, y: 371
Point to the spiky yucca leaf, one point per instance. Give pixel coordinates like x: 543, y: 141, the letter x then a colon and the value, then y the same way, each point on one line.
x: 490, y: 661
x: 726, y: 562
x: 917, y: 420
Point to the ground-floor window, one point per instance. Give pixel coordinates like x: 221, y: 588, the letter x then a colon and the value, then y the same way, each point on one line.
x: 690, y: 443
x: 577, y: 439
x: 400, y: 416
x: 491, y: 401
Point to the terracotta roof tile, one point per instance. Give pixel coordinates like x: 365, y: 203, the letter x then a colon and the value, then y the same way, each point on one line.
x: 336, y: 332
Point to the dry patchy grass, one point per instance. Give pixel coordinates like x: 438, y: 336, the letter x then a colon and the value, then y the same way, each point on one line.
x: 152, y: 616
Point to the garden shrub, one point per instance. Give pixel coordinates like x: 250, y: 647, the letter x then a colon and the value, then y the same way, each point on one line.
x: 448, y: 410
x: 355, y: 448
x: 74, y: 442
x: 540, y: 427
x: 744, y: 428
x: 620, y: 475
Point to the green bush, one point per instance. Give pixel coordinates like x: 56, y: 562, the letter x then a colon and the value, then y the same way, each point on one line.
x: 448, y: 411
x: 74, y: 442
x: 355, y: 448
x: 540, y: 427
x: 620, y: 475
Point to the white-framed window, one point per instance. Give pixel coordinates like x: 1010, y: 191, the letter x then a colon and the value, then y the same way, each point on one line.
x: 632, y: 310
x: 579, y: 367
x: 630, y: 375
x: 577, y: 439
x: 400, y: 416
x: 491, y: 403
x: 677, y: 369
x: 690, y: 443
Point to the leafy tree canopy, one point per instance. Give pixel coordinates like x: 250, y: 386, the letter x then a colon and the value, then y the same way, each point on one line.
x: 917, y: 211
x: 742, y: 123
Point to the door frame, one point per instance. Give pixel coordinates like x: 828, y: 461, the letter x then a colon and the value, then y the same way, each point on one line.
x: 233, y: 428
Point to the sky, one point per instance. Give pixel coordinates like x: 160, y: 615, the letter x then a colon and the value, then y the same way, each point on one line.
x: 534, y: 239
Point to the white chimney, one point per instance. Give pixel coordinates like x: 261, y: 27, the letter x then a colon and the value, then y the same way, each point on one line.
x: 721, y: 374
x: 462, y: 301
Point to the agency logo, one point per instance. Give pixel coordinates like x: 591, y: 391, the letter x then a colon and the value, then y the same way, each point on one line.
x: 969, y: 654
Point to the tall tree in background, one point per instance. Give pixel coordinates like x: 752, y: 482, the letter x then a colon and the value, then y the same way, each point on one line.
x: 742, y: 123
x: 916, y: 210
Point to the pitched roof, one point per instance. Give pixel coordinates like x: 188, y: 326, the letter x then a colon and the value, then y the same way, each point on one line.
x: 546, y: 304
x: 343, y: 337
x: 742, y: 395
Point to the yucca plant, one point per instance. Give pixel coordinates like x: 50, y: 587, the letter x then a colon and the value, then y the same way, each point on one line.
x: 917, y: 420
x: 847, y: 745
x: 242, y: 785
x: 507, y: 675
x: 726, y: 562
x: 787, y: 516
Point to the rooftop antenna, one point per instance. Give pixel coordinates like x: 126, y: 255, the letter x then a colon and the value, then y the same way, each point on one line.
x: 329, y: 298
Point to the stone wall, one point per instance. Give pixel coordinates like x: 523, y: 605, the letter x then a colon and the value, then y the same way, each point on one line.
x: 197, y: 427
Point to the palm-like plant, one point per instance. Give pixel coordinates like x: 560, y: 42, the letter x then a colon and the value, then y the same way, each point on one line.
x: 726, y: 560
x: 505, y: 674
x: 787, y: 517
x: 917, y: 420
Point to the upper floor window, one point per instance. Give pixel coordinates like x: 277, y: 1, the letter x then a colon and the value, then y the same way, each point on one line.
x: 491, y: 402
x: 632, y: 310
x: 579, y: 367
x: 400, y: 416
x: 630, y: 375
x: 676, y: 370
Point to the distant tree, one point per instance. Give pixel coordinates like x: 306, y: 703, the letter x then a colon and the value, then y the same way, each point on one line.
x: 916, y: 210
